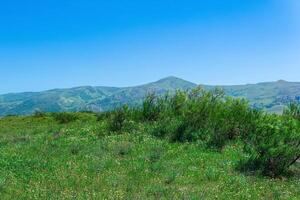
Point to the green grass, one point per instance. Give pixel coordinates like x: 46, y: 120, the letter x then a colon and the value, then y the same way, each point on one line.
x: 43, y: 159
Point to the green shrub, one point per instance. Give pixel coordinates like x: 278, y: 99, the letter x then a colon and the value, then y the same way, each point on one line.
x: 65, y: 117
x: 272, y: 142
x: 151, y: 107
x: 232, y: 119
x: 178, y: 102
x: 117, y: 118
x: 274, y: 145
x: 293, y: 110
x: 237, y: 118
x: 170, y: 128
x: 202, y: 115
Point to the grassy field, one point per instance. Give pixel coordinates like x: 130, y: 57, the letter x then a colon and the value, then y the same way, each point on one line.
x: 43, y: 159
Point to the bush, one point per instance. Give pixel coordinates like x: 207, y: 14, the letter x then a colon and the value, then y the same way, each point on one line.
x: 178, y: 102
x: 231, y: 120
x: 293, y: 110
x: 64, y: 117
x: 172, y: 128
x: 203, y: 115
x: 274, y: 145
x: 117, y: 118
x: 272, y: 142
x: 151, y: 108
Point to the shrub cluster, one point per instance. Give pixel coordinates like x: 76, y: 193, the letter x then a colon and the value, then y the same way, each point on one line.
x: 200, y: 115
x: 117, y: 118
x: 272, y: 142
x: 293, y: 110
x: 120, y: 119
x: 274, y: 145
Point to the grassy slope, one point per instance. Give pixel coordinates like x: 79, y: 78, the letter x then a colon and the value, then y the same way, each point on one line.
x: 41, y: 159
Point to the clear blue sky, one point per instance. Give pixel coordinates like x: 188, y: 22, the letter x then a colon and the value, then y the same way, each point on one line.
x: 57, y: 44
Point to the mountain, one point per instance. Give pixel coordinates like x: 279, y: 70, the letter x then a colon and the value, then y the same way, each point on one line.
x: 53, y: 100
x: 134, y: 95
x: 85, y: 98
x: 272, y: 96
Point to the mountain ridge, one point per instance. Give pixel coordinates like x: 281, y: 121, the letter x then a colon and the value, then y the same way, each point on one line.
x: 272, y: 96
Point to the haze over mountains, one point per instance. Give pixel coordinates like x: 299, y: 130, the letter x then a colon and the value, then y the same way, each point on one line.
x: 272, y: 96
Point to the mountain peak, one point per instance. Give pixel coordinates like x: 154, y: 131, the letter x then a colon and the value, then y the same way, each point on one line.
x: 172, y: 82
x: 281, y: 81
x: 171, y: 79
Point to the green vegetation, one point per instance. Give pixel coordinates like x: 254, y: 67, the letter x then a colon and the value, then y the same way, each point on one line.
x: 64, y: 117
x: 274, y: 145
x: 293, y: 110
x: 186, y: 145
x: 272, y: 96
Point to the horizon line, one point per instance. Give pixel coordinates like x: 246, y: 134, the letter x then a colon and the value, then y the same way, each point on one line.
x: 165, y: 78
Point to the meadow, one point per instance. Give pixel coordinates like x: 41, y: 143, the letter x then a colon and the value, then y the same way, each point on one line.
x: 191, y: 145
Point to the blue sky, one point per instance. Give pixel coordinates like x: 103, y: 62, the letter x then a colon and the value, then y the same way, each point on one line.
x: 57, y: 44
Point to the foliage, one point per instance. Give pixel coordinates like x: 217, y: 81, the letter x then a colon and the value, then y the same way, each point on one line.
x: 151, y: 108
x: 203, y: 115
x: 164, y: 151
x: 39, y: 113
x: 65, y: 117
x: 123, y: 148
x: 293, y: 110
x: 214, y: 120
x: 272, y: 142
x: 117, y: 118
x: 274, y: 145
x: 102, y: 116
x: 74, y: 161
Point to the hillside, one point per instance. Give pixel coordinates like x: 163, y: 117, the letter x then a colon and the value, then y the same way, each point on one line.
x: 271, y: 96
x: 43, y: 159
x: 85, y: 98
x: 190, y: 145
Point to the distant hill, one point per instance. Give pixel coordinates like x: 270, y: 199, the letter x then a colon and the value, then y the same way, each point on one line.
x: 272, y: 96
